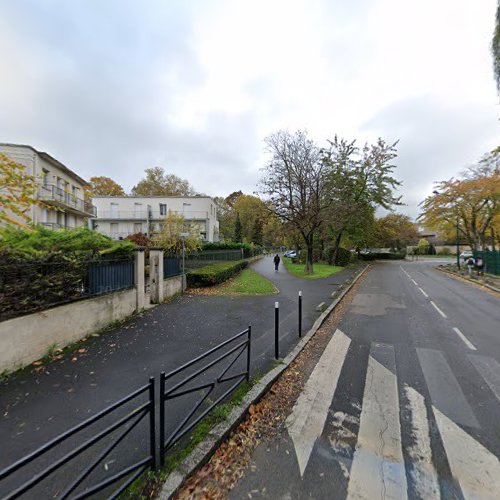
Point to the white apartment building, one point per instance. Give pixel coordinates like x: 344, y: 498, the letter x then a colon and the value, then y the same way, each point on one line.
x: 61, y: 189
x: 120, y: 216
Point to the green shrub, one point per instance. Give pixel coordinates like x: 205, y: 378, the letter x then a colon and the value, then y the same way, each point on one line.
x: 226, y: 246
x: 382, y: 256
x: 444, y: 251
x: 82, y: 242
x: 214, y: 273
x: 343, y: 257
x: 249, y: 249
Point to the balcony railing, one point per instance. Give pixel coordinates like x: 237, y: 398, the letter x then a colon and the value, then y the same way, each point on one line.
x: 50, y: 193
x: 56, y: 225
x: 149, y: 215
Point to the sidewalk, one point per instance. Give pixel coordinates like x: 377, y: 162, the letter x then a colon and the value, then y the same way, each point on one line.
x: 38, y: 405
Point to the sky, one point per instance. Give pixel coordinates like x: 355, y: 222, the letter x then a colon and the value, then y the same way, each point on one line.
x: 194, y: 86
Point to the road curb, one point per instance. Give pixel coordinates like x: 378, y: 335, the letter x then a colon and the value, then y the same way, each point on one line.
x: 202, y: 453
x: 495, y: 289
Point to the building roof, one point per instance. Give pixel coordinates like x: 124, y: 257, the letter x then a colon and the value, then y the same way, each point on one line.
x: 160, y: 196
x: 49, y: 159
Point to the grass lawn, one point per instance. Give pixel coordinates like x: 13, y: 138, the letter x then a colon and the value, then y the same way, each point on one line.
x: 319, y: 270
x: 247, y: 282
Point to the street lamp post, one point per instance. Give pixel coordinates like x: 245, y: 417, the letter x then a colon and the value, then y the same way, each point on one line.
x: 183, y: 235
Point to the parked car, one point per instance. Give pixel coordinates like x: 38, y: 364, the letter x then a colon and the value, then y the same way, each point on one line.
x: 466, y: 254
x: 290, y: 253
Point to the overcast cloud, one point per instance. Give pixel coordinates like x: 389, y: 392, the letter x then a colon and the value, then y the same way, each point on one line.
x: 113, y: 87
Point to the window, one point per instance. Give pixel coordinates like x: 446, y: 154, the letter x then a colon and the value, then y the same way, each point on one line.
x: 137, y: 227
x: 114, y: 228
x: 163, y: 209
x: 114, y: 209
x: 45, y: 177
x: 137, y: 209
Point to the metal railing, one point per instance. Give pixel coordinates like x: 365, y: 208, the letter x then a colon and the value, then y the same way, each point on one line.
x: 41, y: 473
x: 150, y: 214
x: 171, y: 267
x: 179, y: 389
x: 49, y: 192
x: 76, y: 489
x: 491, y: 260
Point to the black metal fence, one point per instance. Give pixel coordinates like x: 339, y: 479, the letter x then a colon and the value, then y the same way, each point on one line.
x: 75, y: 464
x: 75, y: 478
x: 202, y: 259
x: 491, y: 260
x: 203, y: 383
x: 171, y: 267
x: 28, y: 286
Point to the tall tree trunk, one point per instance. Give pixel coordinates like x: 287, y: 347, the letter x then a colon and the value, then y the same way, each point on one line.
x: 336, y: 247
x: 492, y: 239
x: 309, y: 257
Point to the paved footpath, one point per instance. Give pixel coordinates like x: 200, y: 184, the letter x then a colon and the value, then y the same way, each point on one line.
x: 36, y: 406
x: 404, y: 402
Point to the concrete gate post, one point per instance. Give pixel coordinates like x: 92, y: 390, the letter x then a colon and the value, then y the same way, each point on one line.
x: 156, y: 275
x: 139, y: 278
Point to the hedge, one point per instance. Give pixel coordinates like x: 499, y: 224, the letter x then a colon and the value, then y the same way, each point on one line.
x: 226, y: 246
x: 382, y: 256
x: 214, y: 273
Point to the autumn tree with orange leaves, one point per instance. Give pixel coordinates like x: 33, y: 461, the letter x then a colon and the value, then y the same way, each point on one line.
x: 473, y: 200
x: 104, y: 186
x: 17, y: 192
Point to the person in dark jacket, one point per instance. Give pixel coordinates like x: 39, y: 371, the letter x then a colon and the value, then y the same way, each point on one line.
x: 276, y: 262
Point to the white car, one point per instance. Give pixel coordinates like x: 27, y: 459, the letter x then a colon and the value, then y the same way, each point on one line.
x: 466, y: 254
x: 290, y: 253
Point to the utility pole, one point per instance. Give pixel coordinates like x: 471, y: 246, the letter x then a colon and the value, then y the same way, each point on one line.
x: 458, y: 248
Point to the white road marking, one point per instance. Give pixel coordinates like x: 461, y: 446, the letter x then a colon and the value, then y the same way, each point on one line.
x: 414, y: 282
x: 402, y: 269
x: 305, y: 423
x: 378, y: 469
x: 423, y: 471
x: 467, y: 342
x: 475, y: 468
x: 425, y: 295
x: 439, y: 310
x: 444, y: 388
x: 489, y: 369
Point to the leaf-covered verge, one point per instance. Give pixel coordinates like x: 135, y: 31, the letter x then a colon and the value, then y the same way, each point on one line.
x: 149, y: 485
x: 264, y: 420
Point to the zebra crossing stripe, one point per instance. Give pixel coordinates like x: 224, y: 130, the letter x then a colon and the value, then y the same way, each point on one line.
x: 444, y: 388
x: 475, y: 468
x: 378, y: 469
x: 489, y: 369
x: 423, y: 472
x: 305, y: 423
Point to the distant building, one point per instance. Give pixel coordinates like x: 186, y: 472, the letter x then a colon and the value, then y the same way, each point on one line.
x: 431, y: 235
x: 121, y: 216
x: 59, y: 187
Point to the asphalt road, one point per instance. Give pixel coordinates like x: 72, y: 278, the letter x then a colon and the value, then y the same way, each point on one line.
x: 37, y: 406
x: 404, y: 403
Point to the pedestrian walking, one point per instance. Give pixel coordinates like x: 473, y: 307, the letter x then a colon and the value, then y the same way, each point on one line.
x: 276, y: 262
x: 480, y: 266
x: 470, y: 265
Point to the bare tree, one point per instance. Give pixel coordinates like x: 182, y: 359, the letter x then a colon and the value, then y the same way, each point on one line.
x: 294, y: 182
